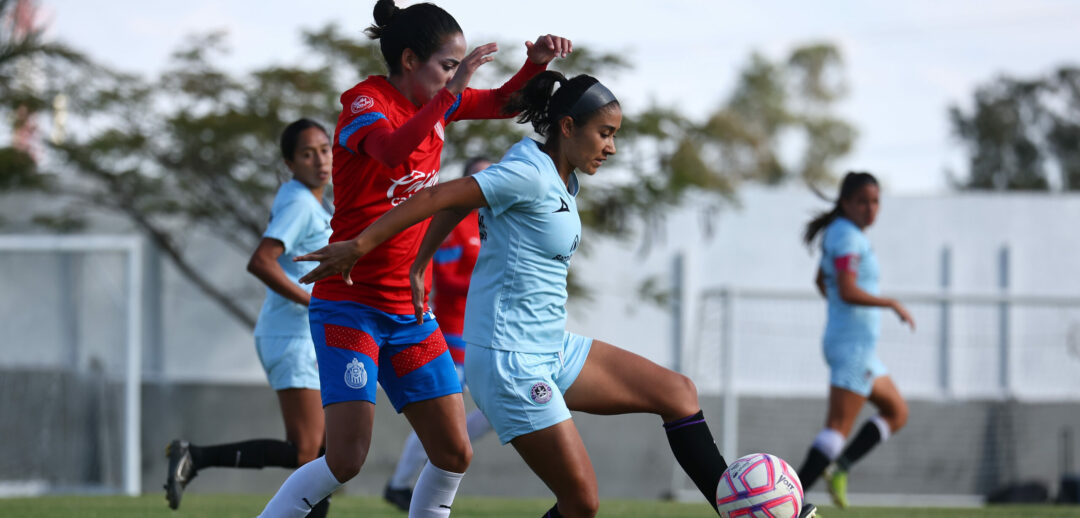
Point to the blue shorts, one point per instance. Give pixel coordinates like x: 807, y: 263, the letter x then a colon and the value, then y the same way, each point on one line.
x: 854, y: 365
x: 520, y: 392
x: 352, y: 340
x: 289, y: 361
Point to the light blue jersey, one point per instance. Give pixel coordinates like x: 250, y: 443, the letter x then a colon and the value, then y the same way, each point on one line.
x: 529, y: 231
x: 849, y: 323
x: 302, y: 224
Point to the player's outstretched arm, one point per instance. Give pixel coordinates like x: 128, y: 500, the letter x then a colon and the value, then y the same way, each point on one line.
x: 463, y: 193
x: 851, y: 293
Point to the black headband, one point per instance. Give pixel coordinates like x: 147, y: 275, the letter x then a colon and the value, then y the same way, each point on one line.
x: 595, y: 97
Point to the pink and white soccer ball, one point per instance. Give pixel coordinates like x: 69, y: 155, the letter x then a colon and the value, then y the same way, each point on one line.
x: 759, y: 485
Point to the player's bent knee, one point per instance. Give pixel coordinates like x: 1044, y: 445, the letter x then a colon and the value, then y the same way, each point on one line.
x: 682, y: 398
x: 898, y: 417
x: 583, y: 505
x: 344, y: 467
x: 454, y: 460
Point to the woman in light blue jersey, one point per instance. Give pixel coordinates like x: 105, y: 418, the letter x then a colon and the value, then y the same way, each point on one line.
x: 526, y: 371
x: 299, y: 223
x: 848, y: 279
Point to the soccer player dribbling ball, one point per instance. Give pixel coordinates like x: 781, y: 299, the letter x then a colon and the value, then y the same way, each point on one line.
x: 299, y: 223
x: 387, y: 148
x: 848, y: 279
x: 452, y: 267
x: 526, y: 371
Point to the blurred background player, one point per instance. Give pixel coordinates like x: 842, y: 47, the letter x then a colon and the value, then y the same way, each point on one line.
x: 299, y: 223
x: 387, y: 148
x: 848, y: 279
x: 526, y: 369
x: 451, y: 267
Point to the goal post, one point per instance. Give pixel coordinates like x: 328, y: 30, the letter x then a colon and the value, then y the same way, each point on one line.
x: 131, y: 249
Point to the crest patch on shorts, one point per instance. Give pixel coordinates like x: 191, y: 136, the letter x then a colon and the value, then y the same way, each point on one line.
x: 540, y: 392
x: 355, y: 374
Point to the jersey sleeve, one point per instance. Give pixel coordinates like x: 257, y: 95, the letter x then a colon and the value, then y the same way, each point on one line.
x: 488, y: 104
x: 509, y: 186
x: 391, y: 148
x: 362, y: 112
x: 287, y: 224
x: 843, y: 246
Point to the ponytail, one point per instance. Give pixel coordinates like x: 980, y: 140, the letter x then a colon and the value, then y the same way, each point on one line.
x: 576, y: 97
x: 853, y: 181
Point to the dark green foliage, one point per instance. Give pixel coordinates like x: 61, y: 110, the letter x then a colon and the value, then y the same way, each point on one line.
x: 1022, y: 134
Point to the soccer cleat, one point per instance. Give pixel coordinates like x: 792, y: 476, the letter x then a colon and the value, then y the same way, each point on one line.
x: 181, y: 471
x: 808, y: 511
x: 399, y: 498
x: 836, y: 481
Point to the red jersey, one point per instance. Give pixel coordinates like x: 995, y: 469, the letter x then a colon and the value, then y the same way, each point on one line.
x: 452, y: 267
x: 410, y: 142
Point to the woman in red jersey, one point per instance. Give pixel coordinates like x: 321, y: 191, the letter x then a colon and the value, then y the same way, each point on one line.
x: 387, y: 147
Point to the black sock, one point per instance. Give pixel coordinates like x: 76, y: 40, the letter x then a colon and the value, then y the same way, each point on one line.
x: 812, y: 468
x: 696, y: 452
x: 256, y: 453
x: 320, y: 509
x: 868, y: 437
x: 553, y: 512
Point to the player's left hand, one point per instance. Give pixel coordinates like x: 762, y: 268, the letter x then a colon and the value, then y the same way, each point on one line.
x: 334, y: 258
x: 547, y: 48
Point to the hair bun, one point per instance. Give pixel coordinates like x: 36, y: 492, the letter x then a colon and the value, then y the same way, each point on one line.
x: 384, y: 12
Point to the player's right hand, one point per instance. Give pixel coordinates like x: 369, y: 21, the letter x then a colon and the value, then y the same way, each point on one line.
x: 479, y: 56
x: 416, y: 283
x: 902, y: 312
x: 334, y: 258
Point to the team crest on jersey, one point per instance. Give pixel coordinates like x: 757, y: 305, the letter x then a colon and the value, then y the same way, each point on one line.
x: 439, y: 130
x: 355, y: 374
x: 540, y: 393
x: 361, y: 103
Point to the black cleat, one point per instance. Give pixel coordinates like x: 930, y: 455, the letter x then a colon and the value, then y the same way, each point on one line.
x: 181, y: 471
x: 808, y: 511
x: 399, y: 498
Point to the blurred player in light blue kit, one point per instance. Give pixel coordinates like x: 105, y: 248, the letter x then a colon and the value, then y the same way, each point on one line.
x: 848, y: 278
x: 299, y: 223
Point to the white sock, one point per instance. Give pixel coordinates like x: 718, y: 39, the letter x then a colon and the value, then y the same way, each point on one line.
x: 412, y: 459
x: 830, y: 442
x: 302, y: 490
x: 477, y: 425
x: 882, y: 426
x: 434, y: 493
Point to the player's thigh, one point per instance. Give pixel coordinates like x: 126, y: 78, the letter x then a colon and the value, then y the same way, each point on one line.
x: 844, y: 407
x: 557, y: 455
x: 348, y: 436
x: 301, y: 409
x: 616, y: 381
x: 440, y: 425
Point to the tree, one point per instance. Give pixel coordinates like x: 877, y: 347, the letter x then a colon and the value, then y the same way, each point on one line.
x: 191, y: 150
x: 26, y: 57
x: 1022, y: 134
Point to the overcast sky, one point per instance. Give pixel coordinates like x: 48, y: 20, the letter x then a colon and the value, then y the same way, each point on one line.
x: 905, y: 61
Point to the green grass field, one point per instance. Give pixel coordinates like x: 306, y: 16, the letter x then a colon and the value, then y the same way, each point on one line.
x: 247, y: 506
